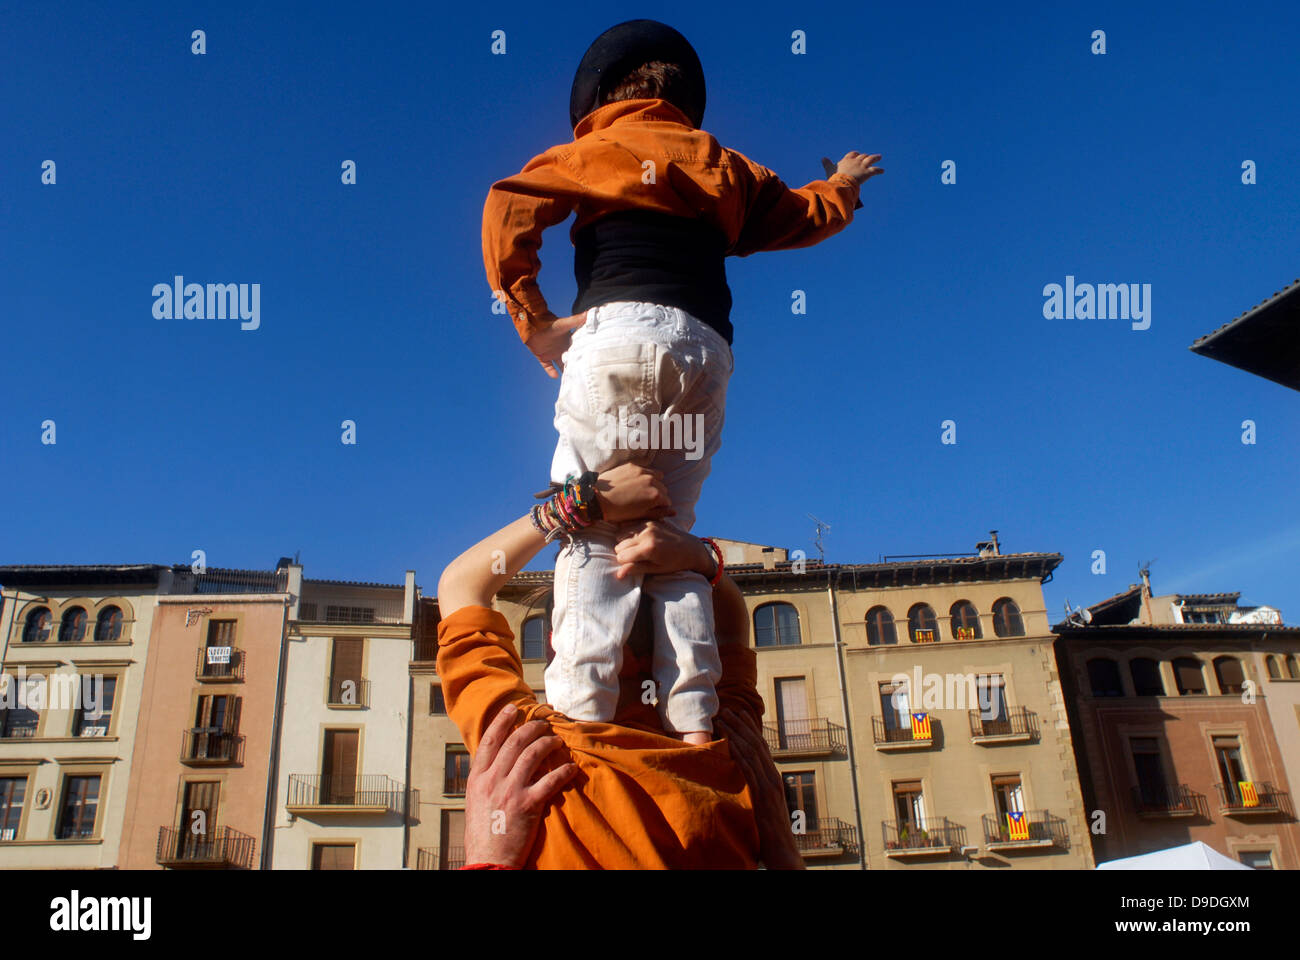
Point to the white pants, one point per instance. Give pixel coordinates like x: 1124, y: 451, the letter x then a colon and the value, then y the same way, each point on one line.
x: 647, y: 384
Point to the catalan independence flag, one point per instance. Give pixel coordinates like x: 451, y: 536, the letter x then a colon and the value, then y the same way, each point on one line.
x: 1249, y: 798
x: 1018, y: 824
x: 920, y: 726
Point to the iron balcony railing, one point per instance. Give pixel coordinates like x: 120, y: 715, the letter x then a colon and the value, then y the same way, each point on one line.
x: 349, y: 692
x: 1254, y: 797
x: 429, y: 858
x: 811, y: 735
x: 935, y: 834
x: 883, y: 731
x: 218, y: 580
x: 375, y: 791
x: 1037, y: 827
x: 1168, y: 800
x: 1015, y: 721
x: 211, y: 746
x: 827, y: 836
x: 233, y: 670
x: 224, y: 847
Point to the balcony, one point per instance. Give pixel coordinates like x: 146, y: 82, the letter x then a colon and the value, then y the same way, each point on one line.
x: 889, y: 737
x: 349, y: 692
x: 1017, y: 725
x: 827, y: 838
x: 1038, y: 829
x: 1252, y: 798
x: 230, y: 671
x: 813, y: 737
x: 227, y: 848
x: 314, y: 794
x: 1157, y: 801
x: 315, y: 608
x: 937, y: 837
x: 211, y: 748
x: 429, y: 858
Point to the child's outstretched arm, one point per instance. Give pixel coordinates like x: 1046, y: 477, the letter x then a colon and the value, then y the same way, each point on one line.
x: 777, y: 217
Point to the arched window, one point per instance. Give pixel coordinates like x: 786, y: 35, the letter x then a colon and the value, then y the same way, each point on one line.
x: 108, y: 627
x: 880, y: 626
x: 1007, y: 621
x: 1270, y: 664
x: 922, y: 624
x: 776, y: 625
x: 1227, y: 670
x: 964, y: 621
x: 1103, y: 677
x: 73, y: 627
x: 1291, y: 670
x: 1147, y: 681
x: 1187, y: 671
x: 535, y: 638
x: 37, y: 628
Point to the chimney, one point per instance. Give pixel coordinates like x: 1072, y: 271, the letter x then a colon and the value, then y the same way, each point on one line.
x: 989, y: 548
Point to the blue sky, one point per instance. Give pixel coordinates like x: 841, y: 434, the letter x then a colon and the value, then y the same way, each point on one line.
x: 1072, y: 435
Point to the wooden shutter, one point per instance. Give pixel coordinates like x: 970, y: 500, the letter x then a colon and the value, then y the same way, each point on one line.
x: 333, y: 856
x: 346, y: 666
x: 339, y: 766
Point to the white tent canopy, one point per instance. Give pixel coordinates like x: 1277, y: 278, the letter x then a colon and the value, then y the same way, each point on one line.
x: 1190, y: 856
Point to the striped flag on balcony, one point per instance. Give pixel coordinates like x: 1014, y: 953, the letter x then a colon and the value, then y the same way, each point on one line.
x: 1249, y: 798
x: 1018, y: 825
x: 920, y: 726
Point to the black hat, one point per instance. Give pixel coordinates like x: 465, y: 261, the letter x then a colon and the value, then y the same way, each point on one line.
x: 623, y: 48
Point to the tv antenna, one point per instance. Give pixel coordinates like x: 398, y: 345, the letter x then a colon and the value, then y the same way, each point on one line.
x: 822, y: 528
x: 1077, y: 616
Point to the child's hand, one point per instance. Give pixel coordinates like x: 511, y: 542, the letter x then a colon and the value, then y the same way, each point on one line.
x: 549, y: 344
x: 858, y: 166
x: 632, y: 492
x: 656, y: 547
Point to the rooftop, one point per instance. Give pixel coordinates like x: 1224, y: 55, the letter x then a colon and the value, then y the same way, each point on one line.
x: 1265, y: 340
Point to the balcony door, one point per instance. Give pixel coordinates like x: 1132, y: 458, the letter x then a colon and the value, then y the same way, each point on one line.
x: 992, y: 705
x: 451, y: 855
x: 909, y: 805
x: 339, y: 767
x: 215, y: 720
x: 345, y: 671
x: 801, y: 794
x: 1008, y: 796
x: 794, y: 731
x: 1150, y: 771
x: 895, y: 709
x: 196, y: 832
x: 1227, y: 750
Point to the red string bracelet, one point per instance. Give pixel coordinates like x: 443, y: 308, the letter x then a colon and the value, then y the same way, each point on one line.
x: 717, y: 553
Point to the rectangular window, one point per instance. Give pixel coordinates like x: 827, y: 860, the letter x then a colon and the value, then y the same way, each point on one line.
x: 1008, y: 796
x: 1227, y: 750
x: 452, y: 852
x: 219, y: 653
x: 333, y: 856
x: 95, y: 708
x: 1259, y: 859
x: 535, y: 630
x: 456, y: 765
x: 216, y: 726
x: 437, y: 706
x: 894, y: 707
x: 198, y: 820
x: 801, y: 795
x: 339, y: 766
x: 909, y: 805
x: 345, y: 671
x: 80, y: 803
x: 13, y: 791
x: 1148, y: 766
x: 794, y: 729
x: 22, y: 720
x: 992, y: 704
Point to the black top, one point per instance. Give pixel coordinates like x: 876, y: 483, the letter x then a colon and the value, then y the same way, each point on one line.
x: 652, y: 257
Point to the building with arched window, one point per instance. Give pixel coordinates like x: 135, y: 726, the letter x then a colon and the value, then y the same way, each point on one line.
x: 1186, y: 727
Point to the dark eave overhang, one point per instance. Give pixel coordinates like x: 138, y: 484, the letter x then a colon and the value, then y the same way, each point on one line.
x: 68, y: 575
x: 1265, y: 340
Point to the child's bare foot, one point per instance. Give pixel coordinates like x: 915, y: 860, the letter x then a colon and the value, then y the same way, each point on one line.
x: 699, y: 738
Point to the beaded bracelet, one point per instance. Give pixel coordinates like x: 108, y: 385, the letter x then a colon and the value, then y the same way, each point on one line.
x: 571, y: 507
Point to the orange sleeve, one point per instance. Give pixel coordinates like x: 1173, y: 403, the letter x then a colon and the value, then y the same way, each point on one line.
x: 779, y: 218
x: 517, y: 210
x: 480, y: 670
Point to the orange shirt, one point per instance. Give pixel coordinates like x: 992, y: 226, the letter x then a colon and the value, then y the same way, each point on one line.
x: 601, y: 172
x: 640, y: 799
